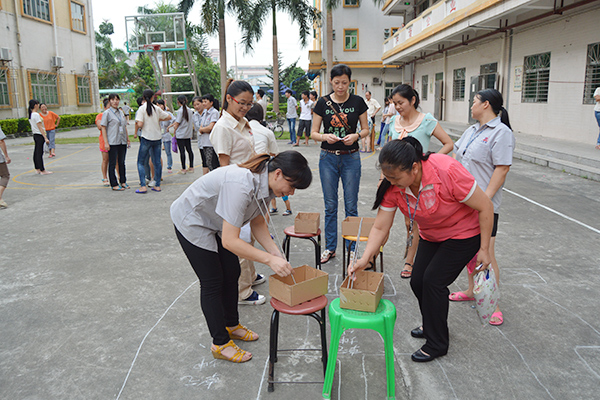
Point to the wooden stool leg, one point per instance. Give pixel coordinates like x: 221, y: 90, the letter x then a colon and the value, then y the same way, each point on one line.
x: 343, y: 258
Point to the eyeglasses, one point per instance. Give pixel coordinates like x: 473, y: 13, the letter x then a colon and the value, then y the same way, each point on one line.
x: 243, y: 105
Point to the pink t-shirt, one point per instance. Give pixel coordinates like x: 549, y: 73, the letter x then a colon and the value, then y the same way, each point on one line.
x: 442, y: 214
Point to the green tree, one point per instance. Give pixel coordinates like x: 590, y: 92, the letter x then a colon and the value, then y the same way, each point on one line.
x: 113, y: 70
x: 295, y: 78
x: 144, y: 75
x: 213, y: 20
x: 253, y: 21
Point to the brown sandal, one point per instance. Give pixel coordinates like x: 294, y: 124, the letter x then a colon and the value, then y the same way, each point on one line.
x: 406, y: 273
x: 238, y: 357
x: 246, y: 337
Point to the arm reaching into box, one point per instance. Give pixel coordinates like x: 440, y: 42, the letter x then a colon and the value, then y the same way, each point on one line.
x: 379, y: 232
x: 233, y: 243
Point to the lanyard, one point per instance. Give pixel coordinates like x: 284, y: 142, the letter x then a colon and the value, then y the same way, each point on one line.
x: 473, y: 137
x: 411, y: 217
x: 118, y: 114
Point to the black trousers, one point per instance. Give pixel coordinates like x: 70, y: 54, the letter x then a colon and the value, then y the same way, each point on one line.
x: 218, y: 273
x: 436, y: 266
x: 38, y: 152
x: 210, y: 159
x: 117, y: 154
x: 187, y: 145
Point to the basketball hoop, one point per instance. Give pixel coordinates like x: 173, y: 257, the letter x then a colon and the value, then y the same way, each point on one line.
x: 151, y: 47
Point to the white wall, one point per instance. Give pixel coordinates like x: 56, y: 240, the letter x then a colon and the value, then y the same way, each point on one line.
x: 564, y: 115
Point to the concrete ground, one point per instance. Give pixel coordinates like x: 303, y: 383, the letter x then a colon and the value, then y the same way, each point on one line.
x: 99, y: 302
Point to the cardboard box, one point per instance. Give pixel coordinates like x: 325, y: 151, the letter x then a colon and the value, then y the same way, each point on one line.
x: 310, y: 284
x: 350, y: 226
x: 365, y: 293
x: 307, y: 223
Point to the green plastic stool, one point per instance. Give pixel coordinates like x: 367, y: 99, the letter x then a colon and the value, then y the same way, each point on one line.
x: 382, y: 321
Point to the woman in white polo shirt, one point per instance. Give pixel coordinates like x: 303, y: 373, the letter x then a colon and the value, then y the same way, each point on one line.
x: 208, y: 217
x: 39, y: 136
x: 148, y: 119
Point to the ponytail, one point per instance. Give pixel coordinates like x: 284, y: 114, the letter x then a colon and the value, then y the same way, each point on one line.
x: 147, y: 95
x: 183, y: 101
x: 292, y: 164
x: 32, y: 104
x: 401, y: 154
x: 496, y: 101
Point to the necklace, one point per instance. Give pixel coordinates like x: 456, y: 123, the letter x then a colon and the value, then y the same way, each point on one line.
x: 341, y: 104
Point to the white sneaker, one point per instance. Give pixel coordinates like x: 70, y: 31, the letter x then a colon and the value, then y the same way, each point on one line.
x: 3, y: 204
x: 259, y: 279
x: 254, y: 299
x: 152, y: 184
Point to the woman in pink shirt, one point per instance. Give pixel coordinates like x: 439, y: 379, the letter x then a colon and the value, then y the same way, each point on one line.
x: 455, y: 220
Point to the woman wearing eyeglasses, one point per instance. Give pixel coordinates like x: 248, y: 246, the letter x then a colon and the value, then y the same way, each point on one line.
x: 233, y: 142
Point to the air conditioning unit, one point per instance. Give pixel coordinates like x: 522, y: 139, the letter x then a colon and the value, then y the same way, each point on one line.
x: 5, y: 54
x: 376, y: 81
x: 88, y: 67
x: 57, y: 62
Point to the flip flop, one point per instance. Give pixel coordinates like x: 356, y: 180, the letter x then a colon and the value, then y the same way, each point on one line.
x: 140, y: 192
x: 118, y: 189
x: 125, y: 186
x: 498, y: 315
x: 405, y: 273
x: 154, y: 190
x: 460, y: 296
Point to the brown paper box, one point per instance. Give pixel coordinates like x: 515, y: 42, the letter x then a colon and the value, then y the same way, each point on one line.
x: 310, y: 284
x: 307, y: 222
x: 350, y: 226
x: 365, y: 293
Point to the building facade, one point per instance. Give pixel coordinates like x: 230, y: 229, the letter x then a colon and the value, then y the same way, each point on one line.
x: 47, y: 53
x: 357, y: 28
x: 544, y: 56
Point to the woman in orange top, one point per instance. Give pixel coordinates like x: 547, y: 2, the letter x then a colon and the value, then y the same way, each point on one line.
x: 51, y: 121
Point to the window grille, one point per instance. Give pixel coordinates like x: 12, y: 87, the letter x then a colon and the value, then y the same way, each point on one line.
x: 77, y: 17
x: 536, y: 78
x: 592, y: 73
x: 44, y: 87
x: 424, y: 86
x: 4, y: 91
x: 37, y: 9
x: 83, y: 90
x: 350, y: 39
x: 458, y: 86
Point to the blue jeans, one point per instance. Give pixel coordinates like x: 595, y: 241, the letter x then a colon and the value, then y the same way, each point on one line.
x: 292, y: 125
x: 597, y: 113
x: 51, y: 134
x: 331, y: 168
x: 152, y: 147
x: 168, y: 153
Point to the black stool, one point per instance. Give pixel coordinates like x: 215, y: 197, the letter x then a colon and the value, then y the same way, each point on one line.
x: 290, y: 232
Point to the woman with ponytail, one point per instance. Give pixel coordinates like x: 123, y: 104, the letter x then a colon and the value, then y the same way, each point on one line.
x: 486, y: 151
x: 455, y: 219
x: 39, y: 136
x: 184, y: 130
x: 208, y: 217
x: 148, y: 120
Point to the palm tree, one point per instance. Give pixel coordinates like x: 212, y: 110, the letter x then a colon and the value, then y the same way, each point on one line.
x: 213, y: 20
x: 252, y: 26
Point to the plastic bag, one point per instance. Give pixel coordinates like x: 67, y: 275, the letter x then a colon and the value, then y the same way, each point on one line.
x: 174, y: 145
x: 46, y: 148
x: 486, y: 294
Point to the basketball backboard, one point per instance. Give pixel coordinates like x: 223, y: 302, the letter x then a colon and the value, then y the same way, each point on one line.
x: 155, y: 32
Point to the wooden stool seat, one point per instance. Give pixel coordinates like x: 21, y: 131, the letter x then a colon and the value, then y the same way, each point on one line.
x: 308, y: 307
x: 290, y: 231
x: 314, y: 308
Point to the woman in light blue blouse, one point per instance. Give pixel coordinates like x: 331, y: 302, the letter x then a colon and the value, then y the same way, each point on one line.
x: 412, y: 122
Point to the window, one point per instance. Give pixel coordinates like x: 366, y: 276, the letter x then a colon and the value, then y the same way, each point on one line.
x: 592, y: 73
x: 77, y: 17
x: 84, y: 90
x: 351, y: 3
x: 389, y: 88
x: 458, y: 86
x: 4, y: 88
x: 352, y: 87
x: 488, y: 74
x: 39, y: 9
x: 350, y: 39
x: 43, y: 86
x: 536, y: 78
x: 422, y: 7
x: 424, y: 86
x: 394, y: 30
